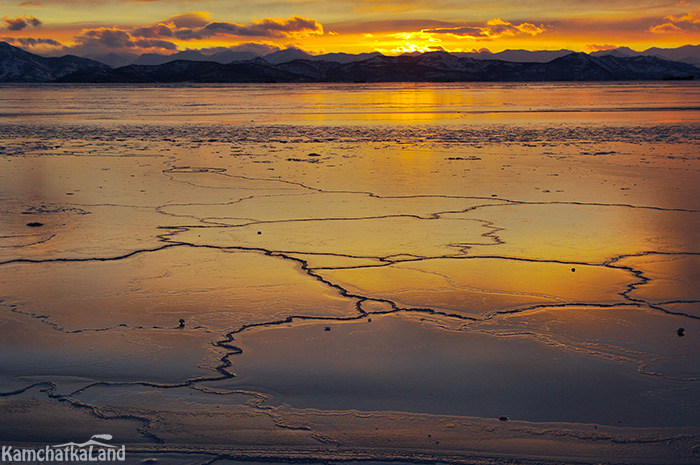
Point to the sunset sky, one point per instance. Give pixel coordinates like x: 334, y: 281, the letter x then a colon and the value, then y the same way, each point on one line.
x: 321, y: 26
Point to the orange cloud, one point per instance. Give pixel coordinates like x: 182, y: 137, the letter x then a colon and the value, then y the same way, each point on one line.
x: 531, y: 29
x: 664, y: 28
x: 493, y: 29
x: 691, y: 17
x: 600, y: 47
x: 688, y: 21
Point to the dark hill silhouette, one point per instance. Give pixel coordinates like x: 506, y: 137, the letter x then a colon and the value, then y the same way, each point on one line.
x: 16, y: 65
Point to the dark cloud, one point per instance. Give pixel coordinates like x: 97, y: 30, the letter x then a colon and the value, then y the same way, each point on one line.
x: 196, y: 26
x: 191, y: 26
x: 30, y: 4
x: 464, y: 31
x: 156, y: 43
x: 20, y: 22
x: 106, y: 37
x: 254, y: 47
x: 268, y: 27
x: 153, y: 32
x: 284, y: 27
x: 33, y: 42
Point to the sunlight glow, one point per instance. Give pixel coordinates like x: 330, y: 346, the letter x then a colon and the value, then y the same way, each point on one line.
x: 125, y: 26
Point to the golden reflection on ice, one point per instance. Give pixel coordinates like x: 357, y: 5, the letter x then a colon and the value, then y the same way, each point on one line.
x: 479, y: 287
x: 208, y: 288
x: 507, y: 269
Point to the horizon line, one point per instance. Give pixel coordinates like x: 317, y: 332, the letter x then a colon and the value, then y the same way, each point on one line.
x: 207, y: 51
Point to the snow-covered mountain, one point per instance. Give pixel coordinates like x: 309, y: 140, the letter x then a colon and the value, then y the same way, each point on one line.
x: 16, y: 65
x: 115, y: 60
x: 686, y: 54
x: 426, y: 67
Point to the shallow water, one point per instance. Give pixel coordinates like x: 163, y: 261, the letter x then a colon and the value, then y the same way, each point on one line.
x: 442, y: 272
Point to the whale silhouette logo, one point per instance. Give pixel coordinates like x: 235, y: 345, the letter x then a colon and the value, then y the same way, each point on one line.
x: 91, y: 442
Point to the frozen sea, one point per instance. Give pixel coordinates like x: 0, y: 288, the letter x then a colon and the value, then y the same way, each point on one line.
x: 325, y: 273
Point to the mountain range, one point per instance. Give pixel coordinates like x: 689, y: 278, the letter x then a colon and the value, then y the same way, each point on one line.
x: 16, y: 65
x: 224, y: 57
x: 687, y: 54
x: 294, y: 65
